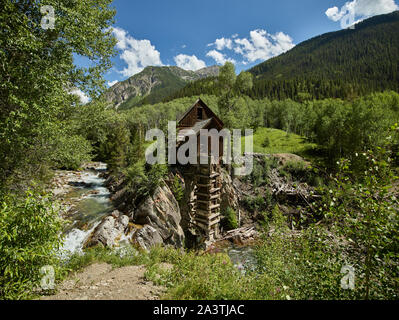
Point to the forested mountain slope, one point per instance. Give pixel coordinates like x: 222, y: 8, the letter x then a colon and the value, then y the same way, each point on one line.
x: 340, y: 64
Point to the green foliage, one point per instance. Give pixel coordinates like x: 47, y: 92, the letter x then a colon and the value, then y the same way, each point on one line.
x: 259, y: 175
x: 296, y: 168
x: 227, y: 76
x: 120, y: 257
x: 38, y: 74
x: 115, y: 148
x: 363, y: 210
x: 29, y: 239
x: 258, y: 203
x: 303, y: 267
x: 143, y: 178
x: 71, y: 151
x: 177, y: 189
x: 231, y: 221
x: 277, y: 141
x: 186, y: 281
x: 266, y: 143
x: 230, y: 104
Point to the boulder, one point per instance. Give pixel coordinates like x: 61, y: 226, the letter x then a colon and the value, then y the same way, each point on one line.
x: 161, y: 211
x: 109, y: 231
x: 147, y: 237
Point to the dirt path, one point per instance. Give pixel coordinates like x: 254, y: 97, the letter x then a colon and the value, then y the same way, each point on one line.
x: 101, y: 282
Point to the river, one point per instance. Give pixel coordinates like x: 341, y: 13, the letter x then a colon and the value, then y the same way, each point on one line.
x: 92, y: 203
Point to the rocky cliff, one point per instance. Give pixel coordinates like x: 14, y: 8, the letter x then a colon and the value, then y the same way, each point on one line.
x: 153, y: 84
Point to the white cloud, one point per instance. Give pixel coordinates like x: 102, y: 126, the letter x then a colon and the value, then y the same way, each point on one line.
x: 262, y: 46
x: 334, y: 14
x: 223, y: 43
x: 361, y: 9
x: 137, y: 54
x: 82, y: 96
x: 189, y: 62
x: 259, y: 46
x: 111, y: 83
x: 219, y: 57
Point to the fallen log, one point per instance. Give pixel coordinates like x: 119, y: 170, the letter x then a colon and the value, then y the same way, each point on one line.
x: 240, y: 235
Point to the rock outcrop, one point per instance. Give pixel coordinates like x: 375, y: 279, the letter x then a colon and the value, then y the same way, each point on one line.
x: 109, y: 231
x: 230, y: 197
x: 160, y: 211
x: 151, y: 78
x: 147, y: 237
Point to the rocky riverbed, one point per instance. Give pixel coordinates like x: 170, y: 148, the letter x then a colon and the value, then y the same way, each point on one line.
x: 85, y: 201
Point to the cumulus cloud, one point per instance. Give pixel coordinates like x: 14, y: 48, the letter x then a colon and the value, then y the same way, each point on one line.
x: 361, y: 9
x: 82, y: 96
x: 223, y: 43
x: 189, y: 62
x: 262, y: 46
x: 334, y: 14
x: 219, y: 57
x: 137, y: 54
x: 111, y: 83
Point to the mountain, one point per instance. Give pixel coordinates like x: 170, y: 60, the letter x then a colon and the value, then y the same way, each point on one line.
x: 338, y: 63
x: 153, y: 84
x: 341, y: 64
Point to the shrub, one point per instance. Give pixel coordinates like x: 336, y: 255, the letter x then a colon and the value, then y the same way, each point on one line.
x: 296, y: 168
x: 266, y: 143
x: 29, y: 239
x: 258, y: 203
x: 302, y: 266
x: 363, y: 210
x: 231, y: 221
x: 177, y: 189
x: 144, y: 179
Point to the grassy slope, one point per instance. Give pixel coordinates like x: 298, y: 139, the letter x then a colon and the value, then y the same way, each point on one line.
x: 279, y: 142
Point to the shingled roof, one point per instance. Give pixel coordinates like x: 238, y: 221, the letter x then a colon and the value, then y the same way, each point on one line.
x: 204, y: 105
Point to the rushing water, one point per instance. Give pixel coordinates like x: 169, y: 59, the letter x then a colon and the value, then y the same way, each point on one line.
x: 89, y: 210
x: 242, y: 257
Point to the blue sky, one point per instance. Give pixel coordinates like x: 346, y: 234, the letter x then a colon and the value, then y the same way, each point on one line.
x: 197, y: 33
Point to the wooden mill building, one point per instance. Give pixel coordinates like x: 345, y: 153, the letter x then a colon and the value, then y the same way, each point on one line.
x: 206, y: 197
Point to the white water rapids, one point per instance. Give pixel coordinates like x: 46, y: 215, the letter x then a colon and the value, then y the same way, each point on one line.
x: 90, y: 209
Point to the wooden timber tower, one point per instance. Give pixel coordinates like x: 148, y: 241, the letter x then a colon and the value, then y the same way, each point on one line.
x: 206, y: 194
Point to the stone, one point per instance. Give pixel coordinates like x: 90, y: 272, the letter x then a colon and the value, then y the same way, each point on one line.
x: 147, y: 237
x: 109, y: 231
x: 161, y: 211
x: 229, y: 195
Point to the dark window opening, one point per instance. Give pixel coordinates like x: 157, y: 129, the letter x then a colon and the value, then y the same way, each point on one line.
x: 199, y: 113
